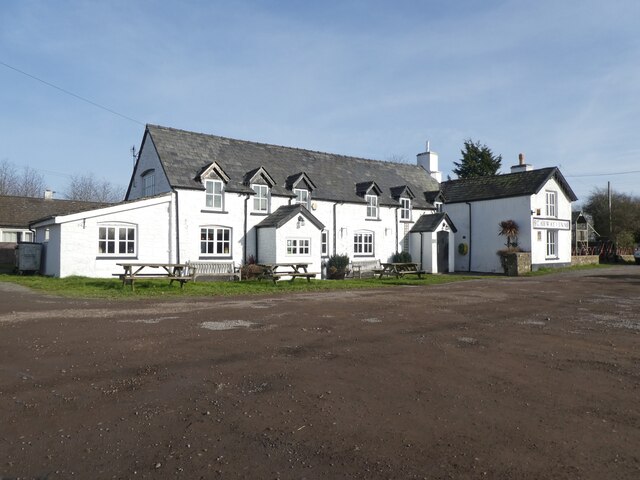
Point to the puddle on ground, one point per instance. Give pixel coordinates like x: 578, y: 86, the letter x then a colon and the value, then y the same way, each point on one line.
x: 227, y: 325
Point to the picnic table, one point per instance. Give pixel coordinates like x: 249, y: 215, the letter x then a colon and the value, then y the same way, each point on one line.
x: 276, y: 271
x: 175, y: 272
x: 398, y: 270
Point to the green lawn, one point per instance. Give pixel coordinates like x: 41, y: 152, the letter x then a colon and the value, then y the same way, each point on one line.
x: 112, y: 288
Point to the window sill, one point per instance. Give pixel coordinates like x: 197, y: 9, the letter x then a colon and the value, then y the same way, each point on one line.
x: 364, y: 256
x: 259, y: 214
x: 212, y: 257
x: 406, y: 221
x: 211, y: 210
x: 116, y: 257
x: 372, y: 220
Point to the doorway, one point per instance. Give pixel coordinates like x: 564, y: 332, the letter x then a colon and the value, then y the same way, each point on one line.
x: 443, y: 251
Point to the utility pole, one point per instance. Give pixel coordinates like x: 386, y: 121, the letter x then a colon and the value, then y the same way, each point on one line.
x: 610, y: 221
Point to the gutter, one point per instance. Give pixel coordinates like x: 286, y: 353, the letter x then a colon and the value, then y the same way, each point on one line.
x: 244, y: 243
x: 470, y: 236
x: 177, y: 228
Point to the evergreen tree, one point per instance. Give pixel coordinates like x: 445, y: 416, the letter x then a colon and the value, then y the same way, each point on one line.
x: 477, y: 161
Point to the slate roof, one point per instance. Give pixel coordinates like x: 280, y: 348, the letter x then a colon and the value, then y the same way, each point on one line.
x: 429, y: 223
x: 19, y: 212
x: 184, y: 154
x: 285, y: 213
x: 503, y: 186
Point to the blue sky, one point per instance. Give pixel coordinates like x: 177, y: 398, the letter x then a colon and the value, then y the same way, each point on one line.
x: 557, y: 80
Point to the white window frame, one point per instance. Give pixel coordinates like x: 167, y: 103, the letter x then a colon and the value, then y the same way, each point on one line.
x: 405, y: 209
x: 149, y: 184
x: 372, y: 206
x: 324, y: 242
x: 552, y: 244
x: 19, y: 235
x: 261, y: 198
x: 298, y: 246
x: 214, y: 242
x: 363, y: 242
x: 117, y: 240
x: 551, y: 203
x: 302, y: 196
x: 211, y: 195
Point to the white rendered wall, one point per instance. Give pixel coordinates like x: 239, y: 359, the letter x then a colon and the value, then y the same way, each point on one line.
x: 51, y: 249
x: 267, y: 247
x: 290, y: 230
x: 484, y: 241
x: 78, y: 233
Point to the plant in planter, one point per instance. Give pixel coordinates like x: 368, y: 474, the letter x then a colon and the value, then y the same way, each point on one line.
x: 251, y: 269
x: 337, y: 267
x: 509, y: 229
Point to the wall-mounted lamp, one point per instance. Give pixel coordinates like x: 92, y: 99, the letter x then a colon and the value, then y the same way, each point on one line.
x: 300, y: 221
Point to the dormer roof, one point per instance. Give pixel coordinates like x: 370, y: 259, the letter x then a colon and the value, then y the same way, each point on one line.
x: 300, y: 180
x: 257, y: 174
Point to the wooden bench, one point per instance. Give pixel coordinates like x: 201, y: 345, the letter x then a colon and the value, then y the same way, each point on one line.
x: 214, y: 269
x: 366, y: 267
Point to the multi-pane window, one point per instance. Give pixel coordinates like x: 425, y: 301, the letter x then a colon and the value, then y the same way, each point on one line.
x: 261, y: 198
x: 325, y: 243
x: 149, y: 184
x: 363, y: 243
x: 372, y: 206
x: 117, y: 240
x: 405, y: 209
x: 215, y: 241
x: 552, y: 243
x: 214, y: 192
x: 298, y: 246
x: 302, y: 196
x: 552, y: 204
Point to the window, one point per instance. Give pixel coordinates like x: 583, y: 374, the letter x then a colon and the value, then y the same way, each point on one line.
x: 298, y: 246
x: 117, y: 240
x: 405, y: 209
x: 372, y: 206
x: 214, y: 194
x: 438, y: 206
x: 148, y: 184
x: 215, y: 241
x: 363, y: 243
x: 552, y: 204
x: 261, y: 198
x: 325, y: 242
x: 302, y: 196
x: 552, y: 244
x: 14, y: 236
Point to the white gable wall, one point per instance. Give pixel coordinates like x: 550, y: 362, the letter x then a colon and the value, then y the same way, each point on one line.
x: 148, y: 160
x: 289, y: 231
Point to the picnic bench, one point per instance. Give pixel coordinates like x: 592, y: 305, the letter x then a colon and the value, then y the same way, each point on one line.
x: 174, y: 272
x: 278, y: 271
x: 398, y: 270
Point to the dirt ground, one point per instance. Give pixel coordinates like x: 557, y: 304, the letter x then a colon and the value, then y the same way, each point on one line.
x: 499, y: 378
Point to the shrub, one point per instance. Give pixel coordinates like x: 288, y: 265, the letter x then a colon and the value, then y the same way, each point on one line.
x: 337, y: 266
x: 401, y: 257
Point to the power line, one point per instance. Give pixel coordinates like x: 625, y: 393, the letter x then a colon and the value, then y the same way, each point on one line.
x: 71, y: 94
x: 602, y: 174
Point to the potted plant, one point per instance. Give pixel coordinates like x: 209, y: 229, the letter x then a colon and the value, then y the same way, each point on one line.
x: 337, y: 267
x: 508, y: 259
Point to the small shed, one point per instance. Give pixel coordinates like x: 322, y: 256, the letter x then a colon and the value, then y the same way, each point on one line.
x: 432, y: 241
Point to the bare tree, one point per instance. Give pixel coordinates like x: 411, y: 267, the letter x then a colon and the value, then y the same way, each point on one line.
x: 28, y: 183
x: 87, y: 188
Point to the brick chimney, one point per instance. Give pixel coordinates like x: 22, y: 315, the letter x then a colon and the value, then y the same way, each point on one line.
x: 521, y: 167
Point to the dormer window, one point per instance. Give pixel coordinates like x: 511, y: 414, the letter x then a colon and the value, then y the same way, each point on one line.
x: 552, y: 204
x: 214, y: 194
x: 372, y: 206
x: 405, y: 209
x: 261, y: 198
x: 302, y: 196
x: 148, y: 183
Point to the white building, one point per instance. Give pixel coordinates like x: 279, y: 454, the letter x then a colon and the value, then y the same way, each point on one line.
x: 539, y: 201
x: 204, y: 198
x: 197, y: 197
